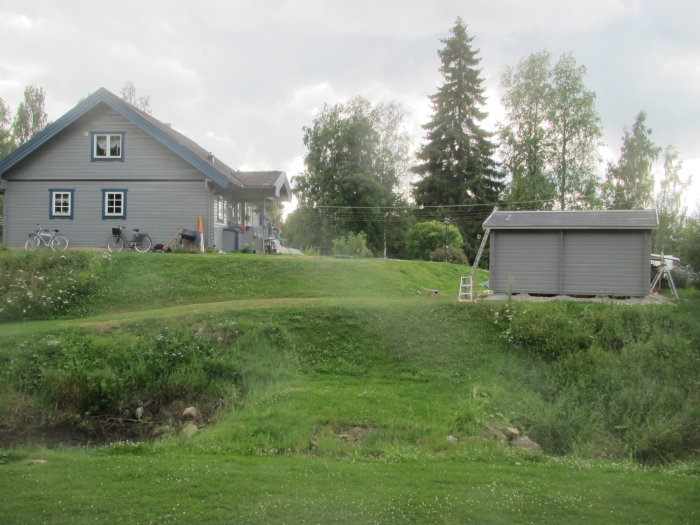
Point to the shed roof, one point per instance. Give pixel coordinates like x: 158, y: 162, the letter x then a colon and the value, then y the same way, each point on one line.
x: 545, y: 220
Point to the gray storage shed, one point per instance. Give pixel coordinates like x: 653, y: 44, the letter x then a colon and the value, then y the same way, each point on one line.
x: 571, y: 252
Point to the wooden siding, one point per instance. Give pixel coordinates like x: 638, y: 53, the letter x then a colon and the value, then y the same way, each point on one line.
x: 570, y: 262
x: 157, y: 208
x: 606, y: 263
x: 164, y: 192
x: 525, y: 262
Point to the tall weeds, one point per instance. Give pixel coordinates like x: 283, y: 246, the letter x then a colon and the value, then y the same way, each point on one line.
x: 42, y: 284
x: 621, y: 381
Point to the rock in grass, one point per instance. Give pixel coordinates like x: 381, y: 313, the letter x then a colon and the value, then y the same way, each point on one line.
x: 190, y: 412
x: 190, y: 429
x: 511, y: 433
x: 526, y: 443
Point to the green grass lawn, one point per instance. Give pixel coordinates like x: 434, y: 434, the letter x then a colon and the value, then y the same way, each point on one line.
x: 343, y: 395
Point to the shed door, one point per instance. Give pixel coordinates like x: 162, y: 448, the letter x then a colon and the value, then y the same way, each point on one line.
x: 525, y: 261
x: 605, y: 263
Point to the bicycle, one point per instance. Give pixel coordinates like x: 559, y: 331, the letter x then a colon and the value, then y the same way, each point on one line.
x: 46, y: 238
x: 141, y: 242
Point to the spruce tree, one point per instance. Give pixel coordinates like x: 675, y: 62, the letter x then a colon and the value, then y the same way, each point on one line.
x: 457, y: 159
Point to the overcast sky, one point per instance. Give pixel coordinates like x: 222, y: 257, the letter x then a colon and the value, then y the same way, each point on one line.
x: 242, y: 77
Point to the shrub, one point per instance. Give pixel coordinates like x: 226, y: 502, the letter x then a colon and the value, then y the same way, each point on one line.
x: 41, y: 284
x: 354, y: 245
x: 619, y: 381
x: 426, y: 237
x: 80, y: 378
x: 454, y: 255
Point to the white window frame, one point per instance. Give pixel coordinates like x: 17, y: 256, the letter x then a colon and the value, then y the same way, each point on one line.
x: 62, y: 204
x: 220, y: 208
x: 108, y: 150
x: 107, y: 196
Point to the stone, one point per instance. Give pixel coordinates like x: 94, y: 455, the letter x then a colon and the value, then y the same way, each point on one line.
x: 190, y: 429
x: 190, y: 412
x: 494, y: 434
x: 511, y: 433
x: 526, y: 443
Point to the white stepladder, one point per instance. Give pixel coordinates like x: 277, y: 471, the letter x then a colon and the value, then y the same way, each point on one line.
x: 663, y: 271
x: 466, y: 284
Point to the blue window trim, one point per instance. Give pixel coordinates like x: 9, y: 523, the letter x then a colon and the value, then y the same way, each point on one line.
x: 104, y: 203
x: 72, y: 203
x: 93, y: 134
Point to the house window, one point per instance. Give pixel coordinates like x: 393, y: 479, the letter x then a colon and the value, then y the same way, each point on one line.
x: 61, y: 204
x: 220, y: 208
x: 107, y: 146
x: 114, y: 204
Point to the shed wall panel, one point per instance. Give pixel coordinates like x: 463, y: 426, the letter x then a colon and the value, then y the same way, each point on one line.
x: 606, y: 263
x: 575, y: 262
x: 525, y: 262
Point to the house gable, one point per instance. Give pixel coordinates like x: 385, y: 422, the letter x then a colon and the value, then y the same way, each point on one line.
x: 172, y: 140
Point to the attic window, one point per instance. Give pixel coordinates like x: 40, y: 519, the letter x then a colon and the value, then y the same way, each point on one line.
x: 107, y: 146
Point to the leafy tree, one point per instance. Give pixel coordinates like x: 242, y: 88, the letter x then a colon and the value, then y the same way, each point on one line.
x: 690, y: 243
x: 31, y: 117
x: 630, y: 183
x: 128, y: 94
x: 457, y: 160
x: 669, y: 205
x: 356, y: 157
x: 550, y: 137
x: 525, y: 141
x: 6, y: 139
x: 426, y: 237
x: 574, y: 133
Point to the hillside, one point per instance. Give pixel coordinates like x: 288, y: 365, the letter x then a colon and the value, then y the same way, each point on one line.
x: 318, y: 381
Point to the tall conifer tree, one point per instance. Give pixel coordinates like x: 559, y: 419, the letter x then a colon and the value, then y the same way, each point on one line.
x: 457, y: 159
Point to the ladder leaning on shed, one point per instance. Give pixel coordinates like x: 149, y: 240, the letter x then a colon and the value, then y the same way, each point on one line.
x: 466, y: 283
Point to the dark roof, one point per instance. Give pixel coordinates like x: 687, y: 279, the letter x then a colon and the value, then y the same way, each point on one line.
x: 185, y: 148
x: 542, y: 220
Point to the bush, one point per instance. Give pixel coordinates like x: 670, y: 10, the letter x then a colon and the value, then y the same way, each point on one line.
x: 454, y: 255
x: 354, y: 245
x: 80, y: 378
x: 42, y: 284
x: 426, y: 237
x: 619, y: 381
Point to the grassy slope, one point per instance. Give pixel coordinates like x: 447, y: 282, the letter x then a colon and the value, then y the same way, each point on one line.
x: 158, y: 280
x: 352, y: 345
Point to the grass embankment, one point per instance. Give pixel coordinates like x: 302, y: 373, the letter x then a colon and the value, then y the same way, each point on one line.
x: 370, y: 407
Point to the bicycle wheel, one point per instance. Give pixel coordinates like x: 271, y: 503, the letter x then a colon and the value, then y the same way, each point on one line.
x: 32, y: 243
x: 59, y: 243
x: 115, y: 243
x: 143, y: 243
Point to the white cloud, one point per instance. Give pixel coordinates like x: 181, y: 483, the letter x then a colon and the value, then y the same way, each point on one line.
x: 243, y: 78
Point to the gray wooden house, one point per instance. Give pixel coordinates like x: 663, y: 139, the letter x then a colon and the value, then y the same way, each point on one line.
x: 105, y: 163
x: 571, y: 252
